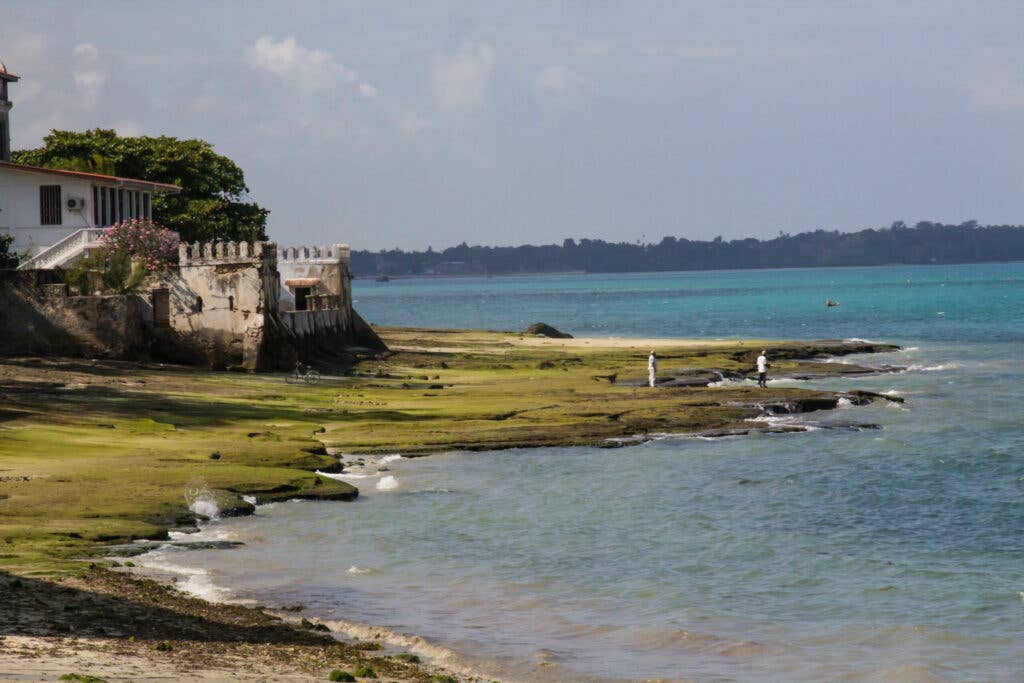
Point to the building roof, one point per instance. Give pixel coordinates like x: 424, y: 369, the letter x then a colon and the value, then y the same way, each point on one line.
x: 96, y: 177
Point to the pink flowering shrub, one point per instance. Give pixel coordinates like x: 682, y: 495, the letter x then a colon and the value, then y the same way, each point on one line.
x: 140, y: 238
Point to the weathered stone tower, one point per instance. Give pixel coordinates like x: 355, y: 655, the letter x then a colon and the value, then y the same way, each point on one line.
x: 5, y: 108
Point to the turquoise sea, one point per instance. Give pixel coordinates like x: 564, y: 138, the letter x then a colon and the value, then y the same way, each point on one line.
x: 831, y: 555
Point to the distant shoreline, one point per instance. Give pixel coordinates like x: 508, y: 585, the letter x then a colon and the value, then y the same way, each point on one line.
x: 926, y: 243
x: 523, y: 274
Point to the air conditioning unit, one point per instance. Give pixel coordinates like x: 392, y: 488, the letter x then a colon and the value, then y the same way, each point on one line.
x: 75, y: 203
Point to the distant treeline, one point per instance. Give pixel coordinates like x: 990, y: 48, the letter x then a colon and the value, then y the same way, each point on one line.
x: 924, y: 243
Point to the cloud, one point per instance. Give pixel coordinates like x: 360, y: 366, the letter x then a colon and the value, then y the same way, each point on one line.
x: 312, y: 69
x: 561, y: 80
x: 88, y: 73
x: 411, y: 123
x: 367, y: 90
x: 87, y: 51
x: 460, y: 80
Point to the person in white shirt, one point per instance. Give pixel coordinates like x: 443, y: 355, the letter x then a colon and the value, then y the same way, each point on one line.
x: 652, y: 368
x: 762, y: 370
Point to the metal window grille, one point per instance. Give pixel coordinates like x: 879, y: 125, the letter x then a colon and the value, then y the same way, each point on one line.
x: 50, y: 210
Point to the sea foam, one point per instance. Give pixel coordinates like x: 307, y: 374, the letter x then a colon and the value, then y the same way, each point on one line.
x: 202, y: 502
x: 388, y: 483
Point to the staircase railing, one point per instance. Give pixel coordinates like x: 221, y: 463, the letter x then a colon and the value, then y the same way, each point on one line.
x: 61, y: 252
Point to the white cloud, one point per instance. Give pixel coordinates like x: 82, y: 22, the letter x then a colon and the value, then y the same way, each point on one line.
x: 87, y: 51
x: 560, y: 80
x: 314, y: 69
x: 368, y: 90
x: 411, y: 123
x: 88, y: 73
x: 460, y: 80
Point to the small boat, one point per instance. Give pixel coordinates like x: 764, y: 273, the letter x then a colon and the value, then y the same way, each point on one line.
x: 830, y: 303
x: 383, y: 278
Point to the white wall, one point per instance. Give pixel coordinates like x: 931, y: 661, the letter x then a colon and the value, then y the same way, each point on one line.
x: 19, y: 208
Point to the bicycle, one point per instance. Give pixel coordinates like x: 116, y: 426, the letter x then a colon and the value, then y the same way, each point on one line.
x: 303, y: 373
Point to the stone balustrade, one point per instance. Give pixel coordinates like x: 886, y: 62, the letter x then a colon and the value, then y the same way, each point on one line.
x: 322, y: 302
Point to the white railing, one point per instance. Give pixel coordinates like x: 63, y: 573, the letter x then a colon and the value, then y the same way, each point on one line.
x: 63, y: 251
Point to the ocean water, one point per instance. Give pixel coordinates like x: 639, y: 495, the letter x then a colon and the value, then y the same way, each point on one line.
x: 886, y: 555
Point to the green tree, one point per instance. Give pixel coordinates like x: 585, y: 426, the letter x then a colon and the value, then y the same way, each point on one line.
x: 8, y: 259
x: 214, y: 201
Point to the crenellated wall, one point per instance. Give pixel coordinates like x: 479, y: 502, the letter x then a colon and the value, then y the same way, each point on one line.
x: 224, y: 300
x: 224, y: 303
x: 248, y: 299
x: 206, y: 253
x: 328, y: 265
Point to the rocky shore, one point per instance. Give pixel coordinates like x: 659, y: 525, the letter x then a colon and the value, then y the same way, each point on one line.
x: 95, y: 455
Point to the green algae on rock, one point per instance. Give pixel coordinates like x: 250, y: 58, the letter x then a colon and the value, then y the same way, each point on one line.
x: 99, y: 453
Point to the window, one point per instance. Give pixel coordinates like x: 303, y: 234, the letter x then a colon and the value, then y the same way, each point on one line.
x: 95, y: 205
x: 50, y: 209
x: 147, y: 210
x: 231, y: 303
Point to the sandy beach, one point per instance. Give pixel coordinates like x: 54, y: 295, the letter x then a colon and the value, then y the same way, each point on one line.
x: 119, y: 627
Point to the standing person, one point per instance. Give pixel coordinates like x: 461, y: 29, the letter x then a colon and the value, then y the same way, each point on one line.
x: 762, y: 369
x: 652, y: 368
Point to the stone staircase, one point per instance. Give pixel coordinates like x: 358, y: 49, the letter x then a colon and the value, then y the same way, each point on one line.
x: 65, y: 251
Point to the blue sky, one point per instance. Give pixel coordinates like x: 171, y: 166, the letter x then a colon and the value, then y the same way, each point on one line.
x: 428, y: 123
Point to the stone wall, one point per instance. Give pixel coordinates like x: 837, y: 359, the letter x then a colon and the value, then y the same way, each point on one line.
x: 224, y: 303
x: 329, y: 266
x: 221, y: 305
x: 39, y: 318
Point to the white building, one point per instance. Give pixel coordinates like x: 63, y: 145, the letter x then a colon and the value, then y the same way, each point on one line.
x: 54, y: 215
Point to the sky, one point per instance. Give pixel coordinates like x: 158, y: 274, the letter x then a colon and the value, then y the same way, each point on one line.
x: 415, y: 124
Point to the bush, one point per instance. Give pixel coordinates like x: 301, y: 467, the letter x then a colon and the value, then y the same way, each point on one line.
x: 364, y: 672
x: 338, y: 675
x: 130, y: 251
x: 155, y: 247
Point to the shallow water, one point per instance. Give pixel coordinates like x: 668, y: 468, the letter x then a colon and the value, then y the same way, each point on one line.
x: 891, y: 554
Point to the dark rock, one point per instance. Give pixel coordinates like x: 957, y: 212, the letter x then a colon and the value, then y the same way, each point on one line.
x: 545, y: 330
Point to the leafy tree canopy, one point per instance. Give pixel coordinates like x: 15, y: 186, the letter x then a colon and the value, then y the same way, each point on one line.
x: 213, y: 203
